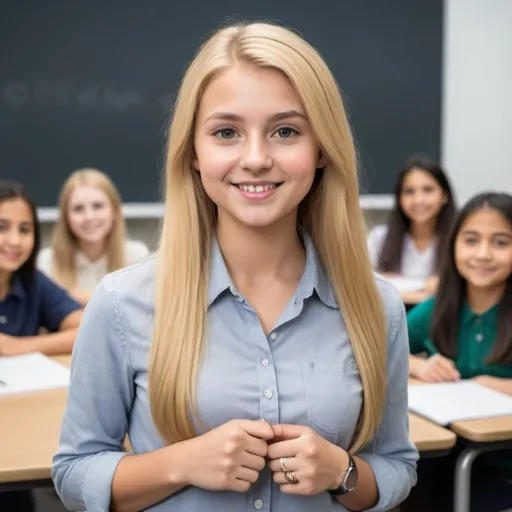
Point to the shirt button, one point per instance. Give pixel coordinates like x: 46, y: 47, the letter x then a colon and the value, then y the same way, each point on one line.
x: 479, y: 337
x: 3, y: 319
x: 264, y: 362
x: 273, y: 336
x: 239, y: 298
x: 258, y: 504
x: 268, y: 393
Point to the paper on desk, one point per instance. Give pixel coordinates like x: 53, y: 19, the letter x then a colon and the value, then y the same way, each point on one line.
x: 445, y: 403
x: 31, y: 372
x: 407, y: 284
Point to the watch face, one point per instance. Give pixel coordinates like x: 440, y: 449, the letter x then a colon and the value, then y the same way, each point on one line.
x: 350, y: 480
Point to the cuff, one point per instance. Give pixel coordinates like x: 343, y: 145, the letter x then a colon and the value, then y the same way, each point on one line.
x: 97, y: 491
x: 394, y: 481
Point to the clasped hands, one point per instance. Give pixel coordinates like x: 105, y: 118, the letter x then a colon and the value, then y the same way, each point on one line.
x: 231, y: 457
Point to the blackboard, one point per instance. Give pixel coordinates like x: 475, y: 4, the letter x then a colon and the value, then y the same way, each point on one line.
x: 92, y: 83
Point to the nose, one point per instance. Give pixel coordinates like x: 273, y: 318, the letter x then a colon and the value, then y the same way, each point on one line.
x: 483, y: 251
x: 255, y: 156
x: 88, y: 214
x: 14, y: 237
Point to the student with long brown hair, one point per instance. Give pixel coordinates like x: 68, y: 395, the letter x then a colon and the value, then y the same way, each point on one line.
x: 240, y: 360
x: 413, y: 241
x: 89, y: 238
x: 466, y: 331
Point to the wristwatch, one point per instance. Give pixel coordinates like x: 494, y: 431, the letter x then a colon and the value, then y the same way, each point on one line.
x: 349, y: 481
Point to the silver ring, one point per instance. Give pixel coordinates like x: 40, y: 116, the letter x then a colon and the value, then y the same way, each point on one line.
x: 284, y: 464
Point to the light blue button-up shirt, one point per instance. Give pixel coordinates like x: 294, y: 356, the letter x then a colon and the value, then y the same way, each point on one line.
x: 303, y: 372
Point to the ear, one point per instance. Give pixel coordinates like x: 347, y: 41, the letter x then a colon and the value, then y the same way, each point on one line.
x: 322, y: 161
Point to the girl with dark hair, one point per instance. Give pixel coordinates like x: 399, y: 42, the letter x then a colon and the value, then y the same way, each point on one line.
x: 414, y: 239
x: 28, y: 300
x: 467, y: 329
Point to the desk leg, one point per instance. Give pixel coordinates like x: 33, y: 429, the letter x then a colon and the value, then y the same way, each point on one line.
x: 462, y: 494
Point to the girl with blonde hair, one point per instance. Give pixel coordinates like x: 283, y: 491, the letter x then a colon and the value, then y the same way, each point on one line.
x: 256, y: 361
x: 89, y: 238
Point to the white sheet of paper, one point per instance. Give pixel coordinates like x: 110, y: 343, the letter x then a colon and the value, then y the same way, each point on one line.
x: 407, y: 284
x: 31, y: 372
x: 444, y: 403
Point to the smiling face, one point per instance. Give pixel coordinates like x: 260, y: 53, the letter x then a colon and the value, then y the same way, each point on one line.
x: 421, y: 197
x: 254, y: 146
x: 16, y: 234
x: 483, y: 249
x: 90, y: 214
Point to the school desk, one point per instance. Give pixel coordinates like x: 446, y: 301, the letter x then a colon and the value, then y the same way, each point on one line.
x: 30, y: 426
x: 480, y: 436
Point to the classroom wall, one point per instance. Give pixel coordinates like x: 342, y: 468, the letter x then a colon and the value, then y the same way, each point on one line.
x: 477, y: 105
x: 477, y: 95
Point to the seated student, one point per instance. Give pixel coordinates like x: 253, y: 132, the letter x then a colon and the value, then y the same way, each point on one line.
x: 467, y: 329
x: 414, y: 239
x: 28, y: 299
x: 89, y: 238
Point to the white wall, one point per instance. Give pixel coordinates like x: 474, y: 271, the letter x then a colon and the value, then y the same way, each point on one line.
x: 477, y: 95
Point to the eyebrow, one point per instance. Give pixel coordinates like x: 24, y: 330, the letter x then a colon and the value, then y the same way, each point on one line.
x: 499, y: 233
x: 280, y: 116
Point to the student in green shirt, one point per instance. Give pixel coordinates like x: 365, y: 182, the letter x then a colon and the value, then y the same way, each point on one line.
x: 466, y: 333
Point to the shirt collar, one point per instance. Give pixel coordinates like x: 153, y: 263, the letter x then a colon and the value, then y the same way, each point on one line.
x: 314, y: 278
x: 468, y: 315
x: 83, y: 262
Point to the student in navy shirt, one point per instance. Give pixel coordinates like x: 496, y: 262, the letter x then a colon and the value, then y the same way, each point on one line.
x: 28, y: 300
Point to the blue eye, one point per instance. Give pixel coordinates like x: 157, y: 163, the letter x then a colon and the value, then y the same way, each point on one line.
x: 225, y: 133
x: 286, y: 132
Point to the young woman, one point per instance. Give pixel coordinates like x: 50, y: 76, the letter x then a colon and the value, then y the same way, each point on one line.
x: 240, y: 362
x: 467, y: 330
x: 28, y: 299
x: 413, y: 242
x: 89, y: 238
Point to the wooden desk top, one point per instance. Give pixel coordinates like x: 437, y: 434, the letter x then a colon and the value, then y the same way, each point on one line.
x: 29, y: 432
x: 484, y: 430
x: 428, y: 436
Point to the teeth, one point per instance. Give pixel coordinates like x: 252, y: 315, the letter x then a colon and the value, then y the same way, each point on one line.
x: 257, y: 188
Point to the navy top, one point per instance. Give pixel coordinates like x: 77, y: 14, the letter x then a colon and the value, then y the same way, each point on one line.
x: 29, y: 306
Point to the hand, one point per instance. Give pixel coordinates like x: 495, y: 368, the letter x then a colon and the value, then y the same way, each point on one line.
x: 437, y: 369
x: 229, y: 457
x: 12, y: 346
x: 318, y: 464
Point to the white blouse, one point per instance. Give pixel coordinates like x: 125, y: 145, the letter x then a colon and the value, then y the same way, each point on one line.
x: 415, y: 263
x: 90, y: 273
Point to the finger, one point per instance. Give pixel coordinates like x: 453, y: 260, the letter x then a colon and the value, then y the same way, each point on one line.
x: 253, y: 461
x: 239, y: 485
x: 257, y: 428
x: 288, y: 487
x: 286, y: 432
x: 283, y: 449
x: 247, y: 475
x: 444, y: 370
x: 291, y: 464
x: 450, y: 368
x: 257, y: 446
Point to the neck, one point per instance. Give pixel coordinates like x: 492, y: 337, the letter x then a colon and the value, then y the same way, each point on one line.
x: 425, y: 231
x: 5, y: 283
x: 255, y: 254
x: 93, y: 251
x: 482, y: 299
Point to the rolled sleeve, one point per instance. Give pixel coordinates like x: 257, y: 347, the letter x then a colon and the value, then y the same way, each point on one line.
x: 392, y: 455
x: 55, y: 305
x: 98, y: 406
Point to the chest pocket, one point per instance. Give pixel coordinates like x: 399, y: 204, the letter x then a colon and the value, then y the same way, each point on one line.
x: 333, y: 396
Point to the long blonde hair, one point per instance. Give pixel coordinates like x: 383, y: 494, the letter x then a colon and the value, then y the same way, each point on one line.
x: 64, y: 242
x: 331, y: 214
